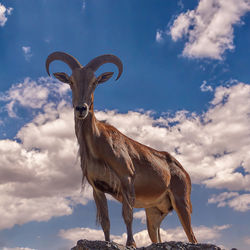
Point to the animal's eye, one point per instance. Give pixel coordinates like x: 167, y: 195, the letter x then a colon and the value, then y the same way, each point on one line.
x: 71, y: 82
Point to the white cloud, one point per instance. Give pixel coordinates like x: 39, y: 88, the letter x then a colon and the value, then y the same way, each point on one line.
x: 222, y: 198
x: 78, y: 233
x: 205, y: 87
x: 209, y: 28
x: 239, y: 202
x: 40, y: 169
x: 17, y: 210
x: 32, y: 94
x: 203, y: 234
x: 36, y: 186
x: 27, y: 52
x: 40, y: 179
x: 141, y: 215
x: 4, y: 12
x: 40, y: 175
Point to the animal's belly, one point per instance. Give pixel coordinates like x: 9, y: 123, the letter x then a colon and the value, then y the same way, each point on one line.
x: 151, y: 188
x: 149, y: 195
x: 142, y: 203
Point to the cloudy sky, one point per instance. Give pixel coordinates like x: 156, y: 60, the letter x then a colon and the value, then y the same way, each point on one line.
x: 185, y: 89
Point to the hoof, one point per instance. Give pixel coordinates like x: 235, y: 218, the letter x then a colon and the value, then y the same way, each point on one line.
x: 131, y: 244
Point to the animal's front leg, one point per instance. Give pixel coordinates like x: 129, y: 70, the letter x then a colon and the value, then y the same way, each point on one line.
x: 128, y: 194
x: 102, y: 215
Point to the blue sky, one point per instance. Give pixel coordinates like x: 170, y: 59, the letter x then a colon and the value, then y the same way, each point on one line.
x: 185, y: 89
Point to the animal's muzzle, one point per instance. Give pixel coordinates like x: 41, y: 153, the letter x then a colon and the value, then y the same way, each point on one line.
x: 82, y: 111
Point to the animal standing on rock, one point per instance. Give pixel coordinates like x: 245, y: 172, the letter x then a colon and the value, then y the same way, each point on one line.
x: 134, y: 174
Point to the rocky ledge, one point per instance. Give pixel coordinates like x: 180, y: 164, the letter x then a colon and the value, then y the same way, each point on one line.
x: 171, y: 245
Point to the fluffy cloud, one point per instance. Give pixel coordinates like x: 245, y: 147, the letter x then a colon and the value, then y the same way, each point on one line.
x: 40, y: 169
x: 239, y: 202
x: 203, y: 234
x: 32, y: 94
x: 141, y: 215
x: 209, y: 28
x: 4, y: 12
x: 40, y: 175
x: 75, y: 234
x: 17, y: 210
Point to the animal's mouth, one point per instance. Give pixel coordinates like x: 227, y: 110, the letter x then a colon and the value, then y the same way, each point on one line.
x: 81, y: 117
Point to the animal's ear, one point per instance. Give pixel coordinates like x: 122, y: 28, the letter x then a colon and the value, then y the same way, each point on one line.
x: 104, y: 77
x: 61, y: 76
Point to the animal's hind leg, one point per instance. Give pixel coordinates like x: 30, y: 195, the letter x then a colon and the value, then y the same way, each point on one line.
x: 154, y: 219
x: 183, y: 210
x: 102, y: 215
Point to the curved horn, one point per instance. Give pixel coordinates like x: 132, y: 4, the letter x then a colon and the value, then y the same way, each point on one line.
x: 61, y: 56
x: 100, y: 60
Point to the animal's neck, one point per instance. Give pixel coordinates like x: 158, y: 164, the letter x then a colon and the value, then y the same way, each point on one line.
x: 86, y: 128
x: 85, y: 132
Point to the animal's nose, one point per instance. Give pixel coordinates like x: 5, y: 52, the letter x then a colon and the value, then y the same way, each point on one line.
x: 81, y: 109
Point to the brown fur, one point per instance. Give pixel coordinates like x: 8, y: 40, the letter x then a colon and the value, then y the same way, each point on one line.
x: 134, y: 174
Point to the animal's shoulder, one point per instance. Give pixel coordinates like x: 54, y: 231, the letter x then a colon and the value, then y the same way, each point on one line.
x: 108, y: 129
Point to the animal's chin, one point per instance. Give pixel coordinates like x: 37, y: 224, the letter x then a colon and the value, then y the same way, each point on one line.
x: 81, y: 117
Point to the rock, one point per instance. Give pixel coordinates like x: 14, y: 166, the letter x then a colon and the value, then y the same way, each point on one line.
x: 97, y: 244
x: 177, y: 245
x: 171, y: 245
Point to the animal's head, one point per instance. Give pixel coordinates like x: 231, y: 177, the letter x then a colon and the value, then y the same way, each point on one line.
x: 83, y: 80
